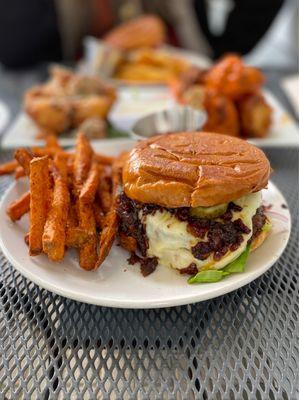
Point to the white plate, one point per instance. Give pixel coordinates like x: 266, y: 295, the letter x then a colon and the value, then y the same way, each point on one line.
x: 134, y: 103
x: 118, y: 284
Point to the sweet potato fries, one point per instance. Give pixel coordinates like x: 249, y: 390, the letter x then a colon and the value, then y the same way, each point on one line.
x: 71, y: 202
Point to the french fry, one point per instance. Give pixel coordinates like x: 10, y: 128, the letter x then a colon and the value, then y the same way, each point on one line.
x: 99, y: 215
x: 117, y: 168
x: 19, y: 207
x: 70, y: 165
x: 72, y: 218
x: 43, y: 151
x: 76, y: 237
x: 54, y: 236
x: 86, y: 218
x: 108, y: 235
x: 105, y: 160
x: 82, y: 160
x: 89, y: 188
x: 40, y: 197
x: 88, y: 252
x: 111, y: 221
x: 19, y: 172
x: 104, y: 192
x: 52, y: 142
x: 24, y: 157
x: 8, y: 168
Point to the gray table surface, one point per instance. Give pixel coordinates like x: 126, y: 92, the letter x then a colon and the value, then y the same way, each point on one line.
x: 243, y: 345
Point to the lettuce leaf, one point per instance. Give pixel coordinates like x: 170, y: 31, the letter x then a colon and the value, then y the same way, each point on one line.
x: 208, y: 276
x: 216, y: 275
x: 238, y: 265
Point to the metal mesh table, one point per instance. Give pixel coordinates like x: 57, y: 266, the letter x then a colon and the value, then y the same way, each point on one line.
x: 243, y: 345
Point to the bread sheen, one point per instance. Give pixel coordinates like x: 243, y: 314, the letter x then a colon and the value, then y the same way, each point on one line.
x: 191, y: 169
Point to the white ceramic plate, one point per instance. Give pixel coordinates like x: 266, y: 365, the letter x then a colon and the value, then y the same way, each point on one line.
x: 134, y: 103
x: 118, y: 284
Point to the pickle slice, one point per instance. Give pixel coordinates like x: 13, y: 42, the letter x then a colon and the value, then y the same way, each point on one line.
x: 209, y: 212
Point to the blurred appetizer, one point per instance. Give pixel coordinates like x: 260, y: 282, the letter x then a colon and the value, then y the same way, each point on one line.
x: 255, y: 115
x: 131, y: 53
x: 221, y: 111
x: 144, y: 31
x: 232, y: 78
x: 150, y: 65
x: 230, y: 94
x: 67, y: 100
x: 94, y: 128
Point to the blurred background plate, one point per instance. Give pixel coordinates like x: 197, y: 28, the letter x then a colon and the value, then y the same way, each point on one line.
x: 93, y: 52
x: 135, y: 102
x: 284, y: 131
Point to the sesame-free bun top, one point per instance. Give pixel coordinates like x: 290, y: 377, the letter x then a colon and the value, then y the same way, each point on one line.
x: 191, y: 169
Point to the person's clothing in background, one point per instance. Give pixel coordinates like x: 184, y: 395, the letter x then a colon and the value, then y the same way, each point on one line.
x: 264, y: 31
x: 279, y: 47
x: 28, y: 32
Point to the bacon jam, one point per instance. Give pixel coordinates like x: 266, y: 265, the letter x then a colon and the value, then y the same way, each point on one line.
x: 220, y: 235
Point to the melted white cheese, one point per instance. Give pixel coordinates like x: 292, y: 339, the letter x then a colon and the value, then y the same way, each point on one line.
x: 170, y: 241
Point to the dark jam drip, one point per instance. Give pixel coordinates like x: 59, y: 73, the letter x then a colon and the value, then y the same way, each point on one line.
x: 147, y: 264
x: 130, y: 224
x: 258, y: 221
x: 190, y: 270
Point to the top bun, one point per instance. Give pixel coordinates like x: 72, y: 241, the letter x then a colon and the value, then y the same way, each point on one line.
x: 145, y: 31
x: 191, y: 169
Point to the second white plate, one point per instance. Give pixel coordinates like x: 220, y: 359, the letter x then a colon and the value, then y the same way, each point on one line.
x: 133, y: 103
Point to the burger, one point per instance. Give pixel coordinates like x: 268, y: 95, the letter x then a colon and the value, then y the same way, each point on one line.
x: 192, y: 201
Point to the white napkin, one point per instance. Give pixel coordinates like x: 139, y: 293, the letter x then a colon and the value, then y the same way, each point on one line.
x: 291, y: 86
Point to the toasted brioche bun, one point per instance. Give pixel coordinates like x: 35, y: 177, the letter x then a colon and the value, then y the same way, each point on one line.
x: 145, y: 31
x: 259, y: 240
x: 191, y: 169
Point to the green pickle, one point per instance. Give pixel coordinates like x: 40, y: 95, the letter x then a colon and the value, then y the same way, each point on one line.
x: 209, y: 212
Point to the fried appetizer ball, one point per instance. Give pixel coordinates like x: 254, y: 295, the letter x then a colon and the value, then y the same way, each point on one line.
x: 192, y: 76
x: 145, y: 31
x: 231, y: 77
x: 66, y: 100
x: 222, y: 113
x: 94, y: 128
x: 255, y: 115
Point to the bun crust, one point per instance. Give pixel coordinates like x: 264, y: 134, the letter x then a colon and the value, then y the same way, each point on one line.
x: 191, y: 169
x: 145, y: 31
x: 259, y: 240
